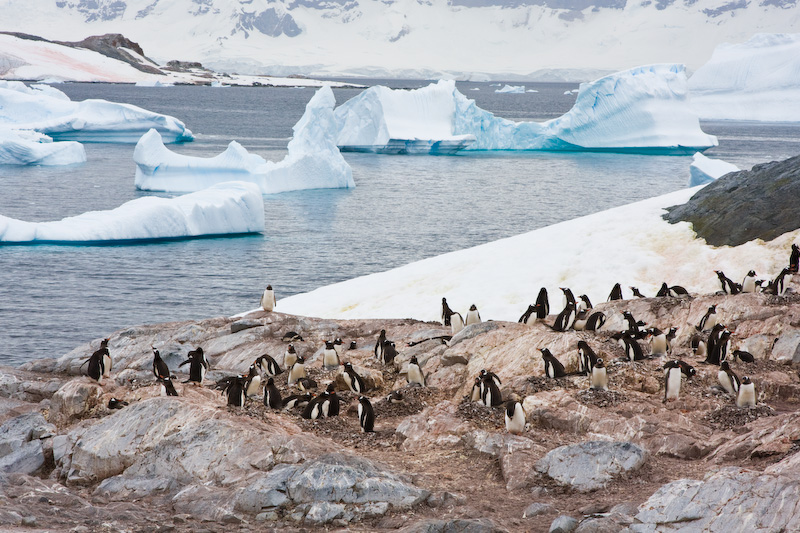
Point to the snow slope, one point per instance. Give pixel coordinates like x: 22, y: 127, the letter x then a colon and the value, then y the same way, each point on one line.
x: 755, y: 80
x: 313, y: 161
x: 31, y: 148
x: 645, y: 109
x: 50, y: 111
x: 228, y: 208
x: 630, y: 245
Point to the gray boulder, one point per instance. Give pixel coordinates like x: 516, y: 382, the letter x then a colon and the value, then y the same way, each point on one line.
x: 26, y: 459
x: 591, y: 465
x: 535, y: 509
x: 74, y: 400
x: 14, y: 433
x: 483, y: 525
x: 563, y: 524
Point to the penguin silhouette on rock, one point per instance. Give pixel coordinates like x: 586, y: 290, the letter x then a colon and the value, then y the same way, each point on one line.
x: 366, y: 415
x: 160, y: 368
x: 446, y: 313
x: 378, y: 350
x: 565, y: 318
x: 354, y: 382
x: 542, y: 304
x: 198, y: 365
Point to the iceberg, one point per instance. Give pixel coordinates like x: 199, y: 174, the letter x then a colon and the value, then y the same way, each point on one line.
x: 705, y: 170
x: 313, y: 160
x: 511, y: 89
x: 225, y: 209
x: 49, y: 111
x: 641, y: 110
x: 32, y: 148
x: 755, y: 80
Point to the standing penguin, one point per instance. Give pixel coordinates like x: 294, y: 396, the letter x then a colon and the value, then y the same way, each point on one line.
x: 95, y: 368
x: 633, y: 350
x: 616, y: 293
x: 658, y: 342
x: 298, y: 371
x: 794, y: 259
x: 160, y: 368
x: 197, y: 365
x: 456, y: 323
x: 366, y: 415
x: 552, y: 366
x: 234, y: 388
x: 476, y: 395
x: 485, y: 374
x: 633, y: 326
x: 330, y: 357
x: 106, y: 358
x: 728, y: 286
x: 389, y: 352
x: 698, y: 345
x: 595, y: 321
x: 599, y: 375
x: 268, y: 301
x: 491, y: 393
x: 749, y: 282
x: 719, y: 351
x: 779, y: 283
x: 330, y: 402
x: 272, y: 396
x: 354, y: 382
x: 313, y: 408
x: 529, y: 316
x: 709, y: 319
x: 747, y: 393
x: 515, y: 417
x: 473, y: 316
x: 415, y: 376
x: 253, y: 382
x: 586, y: 357
x: 167, y: 387
x: 663, y: 292
x: 289, y: 356
x: 378, y: 350
x: 568, y: 296
x: 446, y: 312
x: 565, y: 318
x: 672, y: 381
x: 542, y: 304
x: 636, y: 292
x: 728, y: 379
x: 268, y: 365
x: 584, y: 303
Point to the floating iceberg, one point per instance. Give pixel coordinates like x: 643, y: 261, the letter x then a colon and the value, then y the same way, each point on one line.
x: 511, y: 89
x: 641, y: 110
x: 32, y: 148
x: 755, y: 80
x: 705, y: 170
x: 313, y: 161
x: 50, y: 111
x: 228, y: 208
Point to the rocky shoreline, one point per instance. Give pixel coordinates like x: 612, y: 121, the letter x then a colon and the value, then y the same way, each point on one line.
x: 589, y: 461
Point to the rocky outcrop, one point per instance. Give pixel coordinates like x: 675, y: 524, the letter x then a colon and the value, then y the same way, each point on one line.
x: 741, y: 206
x: 591, y: 465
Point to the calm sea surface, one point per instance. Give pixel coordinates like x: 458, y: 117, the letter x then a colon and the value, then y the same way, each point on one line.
x: 403, y: 209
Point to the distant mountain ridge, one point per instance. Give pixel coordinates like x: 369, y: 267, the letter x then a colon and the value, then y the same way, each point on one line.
x: 468, y: 39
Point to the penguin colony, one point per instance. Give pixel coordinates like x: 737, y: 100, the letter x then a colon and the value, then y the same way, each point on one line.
x: 711, y: 341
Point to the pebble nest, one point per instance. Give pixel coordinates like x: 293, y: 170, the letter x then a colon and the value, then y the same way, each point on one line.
x: 481, y: 416
x: 601, y: 398
x: 536, y: 384
x: 730, y: 416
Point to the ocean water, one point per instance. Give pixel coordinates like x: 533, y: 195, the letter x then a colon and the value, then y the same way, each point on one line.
x: 404, y: 208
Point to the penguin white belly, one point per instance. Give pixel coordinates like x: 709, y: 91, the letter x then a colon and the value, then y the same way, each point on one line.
x: 472, y: 318
x: 202, y: 373
x: 456, y: 323
x: 254, y: 387
x: 599, y: 378
x: 725, y: 382
x: 658, y: 345
x: 289, y: 359
x: 516, y: 424
x: 106, y: 365
x: 749, y: 284
x: 297, y: 372
x: 415, y: 375
x: 268, y: 300
x: 673, y: 384
x: 747, y: 396
x: 330, y: 358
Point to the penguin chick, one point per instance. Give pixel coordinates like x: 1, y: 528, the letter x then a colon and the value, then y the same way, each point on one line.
x: 415, y: 376
x: 747, y: 393
x: 515, y: 417
x: 599, y: 376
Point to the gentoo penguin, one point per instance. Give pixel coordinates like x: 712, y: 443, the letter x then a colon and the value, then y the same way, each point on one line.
x: 473, y: 316
x: 292, y: 336
x: 658, y: 342
x: 713, y: 337
x: 272, y: 396
x: 779, y: 283
x: 477, y: 391
x: 747, y: 393
x: 728, y: 286
x: 114, y: 403
x: 676, y: 291
x: 106, y: 358
x: 728, y: 379
x: 297, y: 371
x: 636, y: 292
x: 568, y: 296
x: 446, y: 312
x: 366, y: 415
x: 749, y: 282
x: 296, y: 400
x: 330, y: 357
x: 378, y: 350
x: 595, y: 321
x: 289, y: 356
x: 529, y: 316
x: 456, y: 323
x: 253, y: 382
x: 687, y: 369
x: 313, y: 408
x: 709, y: 319
x: 663, y: 292
x: 586, y: 357
x: 388, y: 353
x: 353, y: 381
x: 234, y: 388
x: 581, y: 317
x: 542, y: 304
x: 268, y: 365
x: 616, y: 293
x: 160, y: 368
x: 565, y: 318
x: 415, y: 376
x: 395, y: 397
x: 491, y: 393
x: 167, y: 387
x: 485, y: 374
x: 515, y: 417
x: 268, y: 299
x: 330, y: 401
x: 698, y: 345
x: 673, y: 331
x: 633, y: 350
x: 599, y: 376
x: 583, y: 303
x: 95, y: 368
x: 794, y: 259
x: 719, y: 351
x: 552, y: 366
x: 353, y: 346
x: 305, y: 384
x: 633, y: 326
x: 338, y: 345
x: 672, y: 381
x: 197, y: 365
x: 744, y: 357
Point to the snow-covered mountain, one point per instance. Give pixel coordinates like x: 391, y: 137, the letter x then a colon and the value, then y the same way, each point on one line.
x: 480, y: 39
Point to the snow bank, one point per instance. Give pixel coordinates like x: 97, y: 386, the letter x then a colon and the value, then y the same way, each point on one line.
x: 313, y: 160
x: 227, y: 208
x: 389, y: 121
x: 511, y: 89
x: 754, y: 80
x: 49, y: 111
x: 631, y: 245
x: 705, y: 170
x: 641, y: 110
x: 32, y: 148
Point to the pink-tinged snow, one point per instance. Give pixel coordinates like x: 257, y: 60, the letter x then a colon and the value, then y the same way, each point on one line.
x: 631, y: 245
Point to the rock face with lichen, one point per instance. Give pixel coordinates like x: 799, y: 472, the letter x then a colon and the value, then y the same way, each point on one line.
x: 436, y: 460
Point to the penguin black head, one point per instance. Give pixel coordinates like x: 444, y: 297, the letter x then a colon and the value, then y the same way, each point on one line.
x: 301, y: 359
x: 269, y: 287
x: 724, y: 366
x: 599, y: 363
x: 104, y: 342
x: 395, y: 397
x: 353, y: 345
x: 270, y: 382
x: 752, y: 273
x: 329, y: 345
x: 290, y: 348
x: 331, y: 388
x: 473, y: 308
x: 746, y: 380
x: 444, y: 300
x: 413, y: 360
x: 545, y: 352
x: 338, y: 341
x: 348, y: 366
